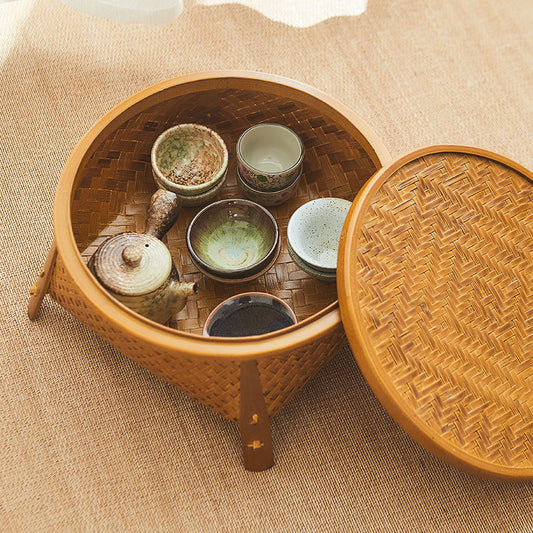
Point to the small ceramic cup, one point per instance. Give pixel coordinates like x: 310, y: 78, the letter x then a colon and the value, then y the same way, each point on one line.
x: 190, y: 160
x: 314, y: 231
x: 247, y: 314
x: 233, y: 240
x: 269, y: 156
x: 326, y: 277
x: 268, y: 198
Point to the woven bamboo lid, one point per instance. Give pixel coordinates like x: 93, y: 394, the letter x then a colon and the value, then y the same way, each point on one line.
x: 435, y: 281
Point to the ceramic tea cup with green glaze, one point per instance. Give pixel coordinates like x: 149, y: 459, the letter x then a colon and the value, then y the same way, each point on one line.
x: 191, y: 160
x: 233, y: 240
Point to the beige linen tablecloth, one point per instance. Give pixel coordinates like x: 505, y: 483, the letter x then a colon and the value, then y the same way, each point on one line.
x: 92, y: 442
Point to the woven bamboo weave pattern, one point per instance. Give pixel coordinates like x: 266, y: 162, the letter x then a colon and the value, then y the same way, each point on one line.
x: 294, y: 371
x: 216, y: 382
x: 445, y: 266
x: 115, y: 186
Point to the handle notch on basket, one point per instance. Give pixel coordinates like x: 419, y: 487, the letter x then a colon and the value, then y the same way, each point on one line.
x: 254, y: 423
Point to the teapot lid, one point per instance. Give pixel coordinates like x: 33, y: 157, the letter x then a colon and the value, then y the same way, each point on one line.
x: 132, y: 264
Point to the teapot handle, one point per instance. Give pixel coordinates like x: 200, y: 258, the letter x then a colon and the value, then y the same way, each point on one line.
x: 162, y: 213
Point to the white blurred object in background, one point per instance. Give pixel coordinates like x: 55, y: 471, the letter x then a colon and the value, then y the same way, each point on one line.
x: 12, y: 17
x: 151, y: 12
x: 299, y: 13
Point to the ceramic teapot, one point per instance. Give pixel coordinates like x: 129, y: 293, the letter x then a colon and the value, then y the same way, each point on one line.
x: 137, y: 269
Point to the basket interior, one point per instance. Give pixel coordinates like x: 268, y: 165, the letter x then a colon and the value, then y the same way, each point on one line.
x: 113, y: 186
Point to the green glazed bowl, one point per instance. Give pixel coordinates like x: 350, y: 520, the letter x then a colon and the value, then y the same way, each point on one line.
x: 233, y: 240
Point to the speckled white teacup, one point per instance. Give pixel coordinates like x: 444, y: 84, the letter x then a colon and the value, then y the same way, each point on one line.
x: 314, y: 231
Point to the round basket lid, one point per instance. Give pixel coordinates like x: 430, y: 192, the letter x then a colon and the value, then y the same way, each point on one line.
x: 132, y: 264
x: 435, y: 281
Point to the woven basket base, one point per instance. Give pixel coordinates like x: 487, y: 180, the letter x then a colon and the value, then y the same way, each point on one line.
x: 213, y: 382
x: 111, y: 192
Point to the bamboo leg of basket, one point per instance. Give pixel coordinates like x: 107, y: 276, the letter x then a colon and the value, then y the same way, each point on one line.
x: 40, y: 287
x: 254, y: 422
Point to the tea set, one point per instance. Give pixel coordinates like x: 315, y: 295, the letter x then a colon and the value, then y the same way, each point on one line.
x: 230, y: 241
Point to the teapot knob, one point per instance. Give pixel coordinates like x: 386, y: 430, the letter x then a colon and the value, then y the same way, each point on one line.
x: 132, y: 255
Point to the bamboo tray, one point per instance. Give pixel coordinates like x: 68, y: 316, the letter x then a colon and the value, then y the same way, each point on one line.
x: 105, y: 188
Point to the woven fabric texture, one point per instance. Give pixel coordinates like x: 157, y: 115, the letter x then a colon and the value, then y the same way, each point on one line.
x: 92, y: 442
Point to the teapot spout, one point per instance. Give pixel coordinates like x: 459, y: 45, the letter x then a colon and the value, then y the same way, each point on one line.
x: 180, y: 291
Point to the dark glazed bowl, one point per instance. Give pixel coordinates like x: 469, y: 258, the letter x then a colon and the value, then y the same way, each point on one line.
x: 233, y: 240
x: 247, y: 314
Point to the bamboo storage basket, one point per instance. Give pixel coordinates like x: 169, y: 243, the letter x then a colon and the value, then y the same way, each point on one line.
x: 105, y: 188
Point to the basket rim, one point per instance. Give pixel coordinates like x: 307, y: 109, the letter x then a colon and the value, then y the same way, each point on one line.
x: 121, y: 317
x: 360, y: 341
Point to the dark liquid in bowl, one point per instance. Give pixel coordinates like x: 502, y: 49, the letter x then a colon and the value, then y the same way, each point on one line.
x: 253, y: 319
